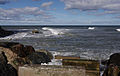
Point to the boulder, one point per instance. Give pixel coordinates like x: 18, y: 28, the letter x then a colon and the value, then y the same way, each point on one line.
x: 112, y: 65
x: 22, y: 50
x: 114, y: 59
x: 38, y: 58
x: 29, y: 50
x: 4, y: 33
x: 35, y: 31
x: 112, y: 70
x: 19, y: 55
x: 19, y: 50
x: 49, y: 54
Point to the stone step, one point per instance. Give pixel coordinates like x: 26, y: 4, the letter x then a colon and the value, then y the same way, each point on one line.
x: 38, y: 70
x: 91, y: 66
x: 66, y: 57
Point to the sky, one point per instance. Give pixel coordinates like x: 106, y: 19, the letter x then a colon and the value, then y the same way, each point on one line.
x: 59, y: 12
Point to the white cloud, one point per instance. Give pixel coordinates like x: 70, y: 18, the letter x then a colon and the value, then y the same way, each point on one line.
x: 85, y: 5
x: 46, y: 4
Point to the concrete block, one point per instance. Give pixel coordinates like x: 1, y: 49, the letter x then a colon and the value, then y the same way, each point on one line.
x: 39, y: 70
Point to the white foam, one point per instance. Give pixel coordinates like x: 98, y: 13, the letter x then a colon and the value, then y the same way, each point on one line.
x: 118, y: 30
x: 55, y: 31
x: 15, y: 36
x: 91, y: 28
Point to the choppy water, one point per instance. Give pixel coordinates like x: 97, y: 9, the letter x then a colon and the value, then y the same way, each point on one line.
x: 87, y: 42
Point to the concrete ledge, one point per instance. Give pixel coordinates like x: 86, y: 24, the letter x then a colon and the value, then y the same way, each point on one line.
x: 91, y: 66
x: 66, y: 57
x: 38, y: 70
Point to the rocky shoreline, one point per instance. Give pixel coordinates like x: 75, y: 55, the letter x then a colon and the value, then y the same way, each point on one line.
x: 13, y: 55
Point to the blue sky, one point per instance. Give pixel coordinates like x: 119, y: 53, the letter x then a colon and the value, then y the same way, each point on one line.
x: 52, y: 12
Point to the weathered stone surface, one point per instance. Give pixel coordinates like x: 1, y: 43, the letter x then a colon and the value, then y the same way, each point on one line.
x: 4, y: 33
x: 66, y: 57
x: 49, y: 54
x: 88, y: 64
x: 51, y: 71
x: 91, y: 66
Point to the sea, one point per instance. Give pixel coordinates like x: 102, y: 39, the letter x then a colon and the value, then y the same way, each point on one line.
x: 95, y: 43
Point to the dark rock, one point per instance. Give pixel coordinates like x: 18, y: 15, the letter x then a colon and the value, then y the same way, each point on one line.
x: 8, y: 44
x: 3, y: 58
x: 38, y: 58
x: 28, y: 50
x: 49, y: 54
x: 19, y: 50
x: 11, y: 71
x: 4, y: 33
x: 6, y: 69
x: 35, y: 31
x: 104, y: 62
x: 19, y: 55
x: 114, y: 59
x: 112, y: 68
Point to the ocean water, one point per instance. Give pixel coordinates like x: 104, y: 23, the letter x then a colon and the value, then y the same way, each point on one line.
x: 96, y: 43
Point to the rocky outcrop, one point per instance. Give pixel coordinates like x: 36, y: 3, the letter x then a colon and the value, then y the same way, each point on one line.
x: 18, y: 54
x: 113, y: 65
x: 4, y: 33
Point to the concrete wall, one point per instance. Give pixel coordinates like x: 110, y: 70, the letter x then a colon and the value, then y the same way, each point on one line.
x: 38, y: 70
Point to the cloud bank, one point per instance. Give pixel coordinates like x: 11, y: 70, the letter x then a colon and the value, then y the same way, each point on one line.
x: 22, y: 13
x: 46, y: 4
x: 109, y: 6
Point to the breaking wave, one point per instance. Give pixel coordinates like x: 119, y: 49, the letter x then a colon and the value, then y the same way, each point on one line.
x: 55, y: 31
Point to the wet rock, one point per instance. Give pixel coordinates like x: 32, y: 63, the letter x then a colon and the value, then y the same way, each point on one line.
x: 49, y: 54
x: 38, y: 58
x: 4, y: 33
x: 35, y: 31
